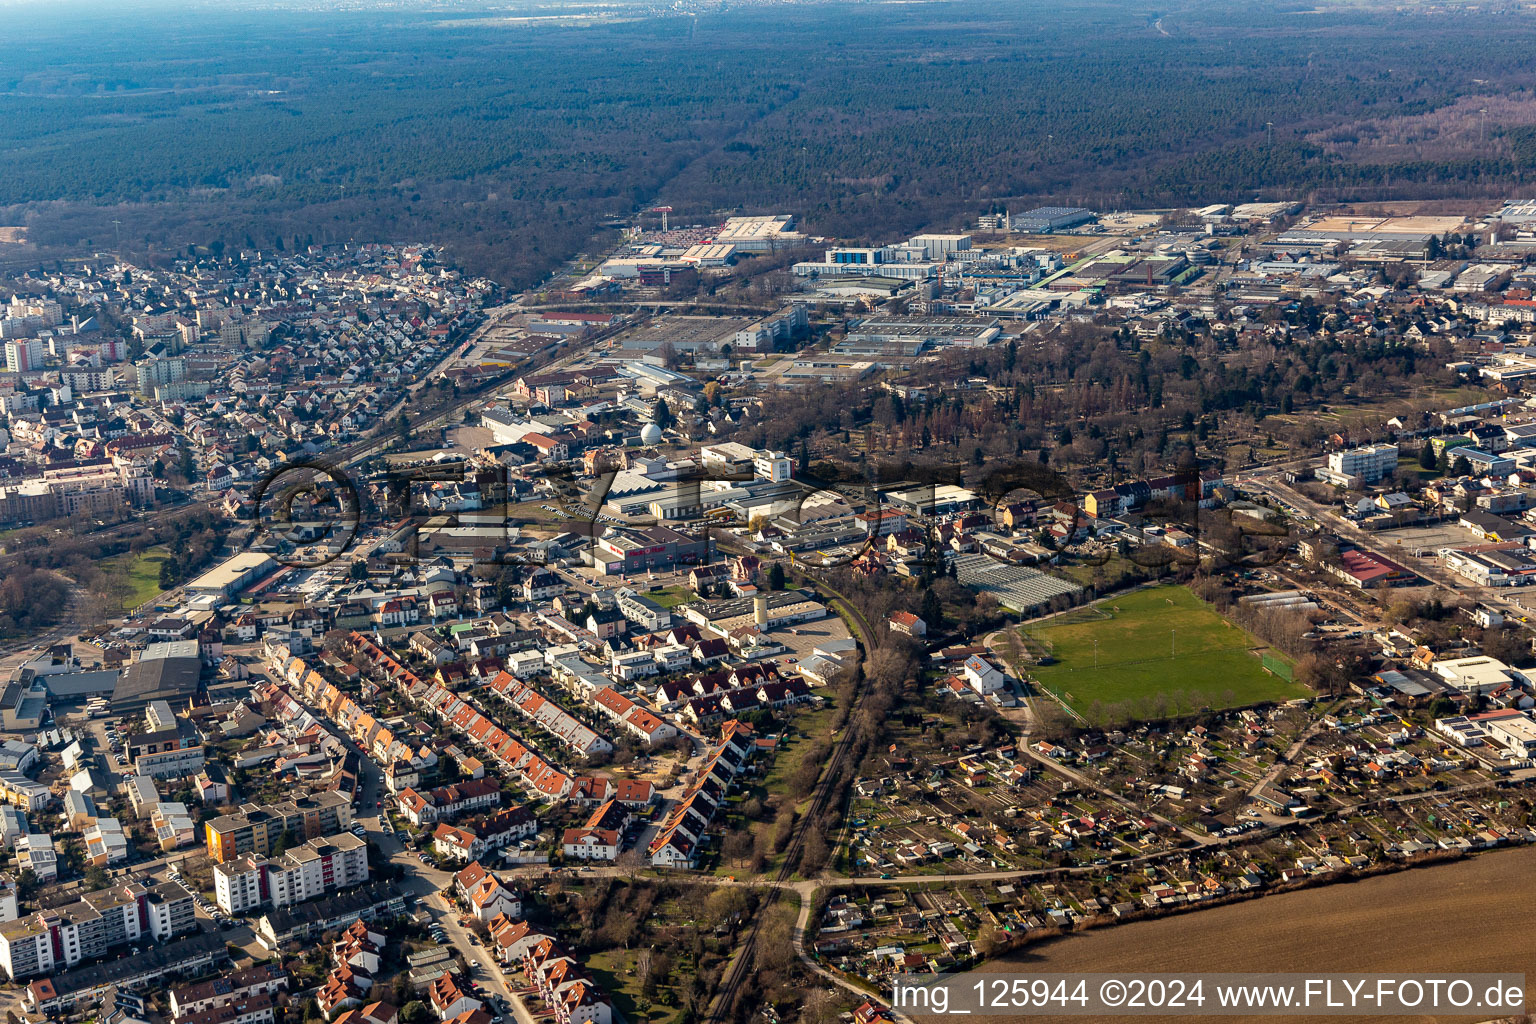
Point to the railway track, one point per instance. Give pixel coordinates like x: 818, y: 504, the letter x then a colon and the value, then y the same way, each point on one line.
x: 736, y: 974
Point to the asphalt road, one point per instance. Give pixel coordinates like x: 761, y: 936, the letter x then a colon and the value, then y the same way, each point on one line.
x: 433, y: 886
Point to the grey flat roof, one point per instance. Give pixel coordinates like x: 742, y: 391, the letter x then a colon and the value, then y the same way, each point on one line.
x: 374, y: 894
x: 77, y: 684
x: 158, y: 679
x: 150, y: 960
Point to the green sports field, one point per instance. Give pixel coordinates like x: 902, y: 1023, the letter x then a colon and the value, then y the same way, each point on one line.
x: 1153, y: 653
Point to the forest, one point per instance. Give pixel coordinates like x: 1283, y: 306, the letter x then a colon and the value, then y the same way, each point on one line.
x: 515, y: 143
x: 1091, y: 399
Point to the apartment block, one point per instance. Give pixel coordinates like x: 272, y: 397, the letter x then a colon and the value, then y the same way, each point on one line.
x: 1369, y: 464
x: 254, y: 829
x: 93, y: 925
x: 314, y: 869
x: 265, y: 979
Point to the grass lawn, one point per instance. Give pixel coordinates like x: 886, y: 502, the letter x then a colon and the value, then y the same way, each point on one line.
x: 791, y: 754
x: 670, y: 597
x: 1088, y: 573
x: 792, y: 751
x: 140, y: 574
x: 613, y: 969
x: 1410, y: 464
x: 1155, y: 650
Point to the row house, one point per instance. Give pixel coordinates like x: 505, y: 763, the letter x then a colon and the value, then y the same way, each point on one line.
x: 397, y: 612
x: 404, y: 758
x: 474, y: 838
x: 548, y: 714
x: 565, y: 986
x: 677, y: 841
x: 532, y: 772
x: 730, y: 703
x: 537, y: 776
x: 634, y: 718
x: 447, y: 802
x: 512, y: 938
x: 634, y: 794
x: 601, y: 837
x: 450, y: 999
x: 487, y: 896
x: 259, y: 1008
x: 265, y: 979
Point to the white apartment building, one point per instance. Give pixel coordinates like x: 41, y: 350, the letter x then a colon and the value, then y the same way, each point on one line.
x: 10, y: 906
x: 1476, y: 675
x: 314, y: 869
x: 590, y: 844
x: 629, y: 665
x: 1515, y: 733
x: 24, y: 355
x: 1369, y: 463
x: 93, y: 925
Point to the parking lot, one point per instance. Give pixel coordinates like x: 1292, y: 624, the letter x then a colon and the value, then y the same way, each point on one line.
x: 1414, y: 539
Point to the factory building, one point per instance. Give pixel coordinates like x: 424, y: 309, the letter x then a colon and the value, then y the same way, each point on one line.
x: 1042, y: 220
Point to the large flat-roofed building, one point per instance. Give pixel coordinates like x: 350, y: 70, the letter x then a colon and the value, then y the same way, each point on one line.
x: 1045, y: 219
x: 709, y: 254
x: 877, y: 334
x: 938, y: 247
x: 883, y: 350
x: 623, y: 551
x: 1515, y: 733
x: 882, y: 260
x: 169, y: 649
x: 728, y: 458
x: 1518, y: 211
x: 759, y: 234
x: 683, y: 333
x: 1016, y: 587
x: 233, y: 576
x: 768, y: 611
x: 1475, y: 675
x: 171, y: 677
x: 829, y: 369
x: 933, y: 500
